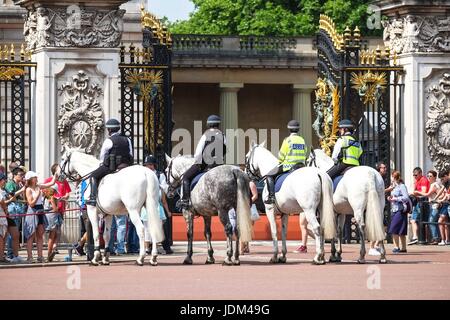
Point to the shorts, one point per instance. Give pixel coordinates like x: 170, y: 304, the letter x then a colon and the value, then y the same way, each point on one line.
x: 11, y: 222
x: 444, y: 211
x: 415, y: 214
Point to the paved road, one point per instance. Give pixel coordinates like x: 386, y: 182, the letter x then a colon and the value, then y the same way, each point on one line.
x: 422, y: 273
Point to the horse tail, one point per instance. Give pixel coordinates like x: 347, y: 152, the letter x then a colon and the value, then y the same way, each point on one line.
x: 327, y: 216
x: 243, y: 207
x: 154, y: 222
x: 374, y: 212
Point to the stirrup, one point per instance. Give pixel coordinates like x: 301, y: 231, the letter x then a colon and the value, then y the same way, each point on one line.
x: 270, y: 199
x: 183, y: 204
x: 91, y: 202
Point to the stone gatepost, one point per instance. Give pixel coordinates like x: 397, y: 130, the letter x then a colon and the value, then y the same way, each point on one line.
x: 75, y: 46
x: 418, y: 31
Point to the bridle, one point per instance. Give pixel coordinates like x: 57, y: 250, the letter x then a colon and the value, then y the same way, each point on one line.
x: 169, y: 175
x: 70, y: 176
x: 251, y: 170
x: 312, y: 161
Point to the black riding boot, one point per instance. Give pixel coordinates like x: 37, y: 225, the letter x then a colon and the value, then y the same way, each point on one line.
x: 184, y: 202
x: 92, y: 201
x: 271, y: 189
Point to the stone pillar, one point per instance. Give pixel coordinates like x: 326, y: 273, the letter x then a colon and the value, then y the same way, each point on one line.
x: 425, y: 58
x: 229, y: 115
x: 301, y: 110
x: 77, y: 74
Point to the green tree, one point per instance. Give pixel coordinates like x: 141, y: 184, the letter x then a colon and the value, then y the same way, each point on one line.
x: 271, y: 18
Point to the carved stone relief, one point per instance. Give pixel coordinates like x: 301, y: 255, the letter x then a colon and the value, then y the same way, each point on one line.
x: 438, y: 121
x: 417, y: 34
x: 80, y: 123
x: 73, y: 27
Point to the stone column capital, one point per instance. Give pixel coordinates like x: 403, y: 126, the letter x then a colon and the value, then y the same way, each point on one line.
x: 230, y: 87
x: 306, y: 88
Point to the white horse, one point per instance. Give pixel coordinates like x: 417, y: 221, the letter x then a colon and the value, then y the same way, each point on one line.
x: 359, y: 193
x: 305, y: 190
x: 125, y: 191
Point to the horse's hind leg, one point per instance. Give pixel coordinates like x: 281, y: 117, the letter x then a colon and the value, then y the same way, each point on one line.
x: 284, y: 225
x: 229, y: 232
x: 190, y: 235
x: 237, y: 251
x: 359, y: 217
x: 270, y: 213
x: 315, y: 226
x: 136, y: 220
x: 336, y: 254
x: 106, y: 236
x: 210, y: 259
x: 92, y: 214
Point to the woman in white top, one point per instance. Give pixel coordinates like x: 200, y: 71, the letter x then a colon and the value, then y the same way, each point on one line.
x: 35, y: 223
x: 434, y: 207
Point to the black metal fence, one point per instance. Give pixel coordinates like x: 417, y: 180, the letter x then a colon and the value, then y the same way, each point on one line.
x: 17, y: 86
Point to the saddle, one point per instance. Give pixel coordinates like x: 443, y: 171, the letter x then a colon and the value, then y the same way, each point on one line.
x: 279, y: 179
x: 196, y: 179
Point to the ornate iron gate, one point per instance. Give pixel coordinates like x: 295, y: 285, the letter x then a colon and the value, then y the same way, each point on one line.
x: 146, y: 97
x: 361, y: 85
x: 17, y: 84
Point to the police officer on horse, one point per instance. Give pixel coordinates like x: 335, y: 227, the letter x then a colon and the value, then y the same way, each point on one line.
x: 116, y: 153
x: 210, y: 152
x: 292, y: 156
x: 347, y: 150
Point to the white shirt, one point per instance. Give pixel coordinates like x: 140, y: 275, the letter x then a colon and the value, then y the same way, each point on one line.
x: 108, y: 144
x: 198, y: 155
x: 338, y: 147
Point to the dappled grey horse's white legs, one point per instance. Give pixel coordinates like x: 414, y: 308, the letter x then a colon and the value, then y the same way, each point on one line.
x: 223, y: 215
x: 359, y: 217
x: 189, y: 218
x: 210, y: 259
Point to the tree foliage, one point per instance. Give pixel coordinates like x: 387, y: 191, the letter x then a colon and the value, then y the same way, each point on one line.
x: 271, y: 17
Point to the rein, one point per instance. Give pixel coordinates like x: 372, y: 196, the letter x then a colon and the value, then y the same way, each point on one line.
x: 69, y: 175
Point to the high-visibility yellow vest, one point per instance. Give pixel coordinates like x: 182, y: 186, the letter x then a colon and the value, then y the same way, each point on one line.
x: 351, y: 151
x: 292, y: 152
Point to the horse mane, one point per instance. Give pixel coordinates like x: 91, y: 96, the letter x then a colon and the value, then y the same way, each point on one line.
x: 267, y: 167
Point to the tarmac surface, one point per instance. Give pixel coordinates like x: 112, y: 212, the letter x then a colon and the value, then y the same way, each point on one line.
x: 421, y: 273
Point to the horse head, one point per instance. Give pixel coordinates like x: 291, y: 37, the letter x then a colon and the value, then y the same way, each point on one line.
x: 66, y: 170
x: 174, y: 174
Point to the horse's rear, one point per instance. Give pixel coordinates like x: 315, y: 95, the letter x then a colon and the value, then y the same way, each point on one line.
x: 361, y: 193
x: 219, y: 190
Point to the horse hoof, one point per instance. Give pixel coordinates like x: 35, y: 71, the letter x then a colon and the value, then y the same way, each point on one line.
x: 94, y: 263
x: 105, y: 263
x: 361, y: 261
x: 210, y: 261
x: 153, y: 263
x: 282, y: 260
x: 273, y: 260
x: 227, y: 263
x: 187, y: 261
x: 138, y: 263
x: 236, y: 262
x: 383, y: 261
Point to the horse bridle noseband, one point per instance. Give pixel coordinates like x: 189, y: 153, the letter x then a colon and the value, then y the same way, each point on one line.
x: 249, y: 165
x: 170, y: 175
x: 69, y: 175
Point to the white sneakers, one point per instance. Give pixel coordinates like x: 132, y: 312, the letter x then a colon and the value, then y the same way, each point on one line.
x: 374, y: 252
x: 442, y: 243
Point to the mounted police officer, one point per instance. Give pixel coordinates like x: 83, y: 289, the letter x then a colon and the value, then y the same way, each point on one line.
x: 292, y: 156
x: 347, y: 150
x: 210, y: 152
x: 116, y: 152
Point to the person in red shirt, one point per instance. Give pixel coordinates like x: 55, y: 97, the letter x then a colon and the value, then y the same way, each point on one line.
x: 421, y: 184
x: 62, y: 195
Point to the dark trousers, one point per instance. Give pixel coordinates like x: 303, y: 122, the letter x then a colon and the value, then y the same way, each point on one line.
x: 338, y: 169
x: 167, y: 227
x: 100, y: 172
x: 187, y: 178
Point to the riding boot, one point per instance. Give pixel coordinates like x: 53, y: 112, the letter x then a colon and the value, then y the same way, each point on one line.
x: 271, y: 189
x: 184, y: 202
x: 92, y: 201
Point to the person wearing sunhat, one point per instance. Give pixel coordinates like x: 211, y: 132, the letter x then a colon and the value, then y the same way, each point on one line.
x: 209, y: 153
x: 292, y: 156
x: 347, y: 150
